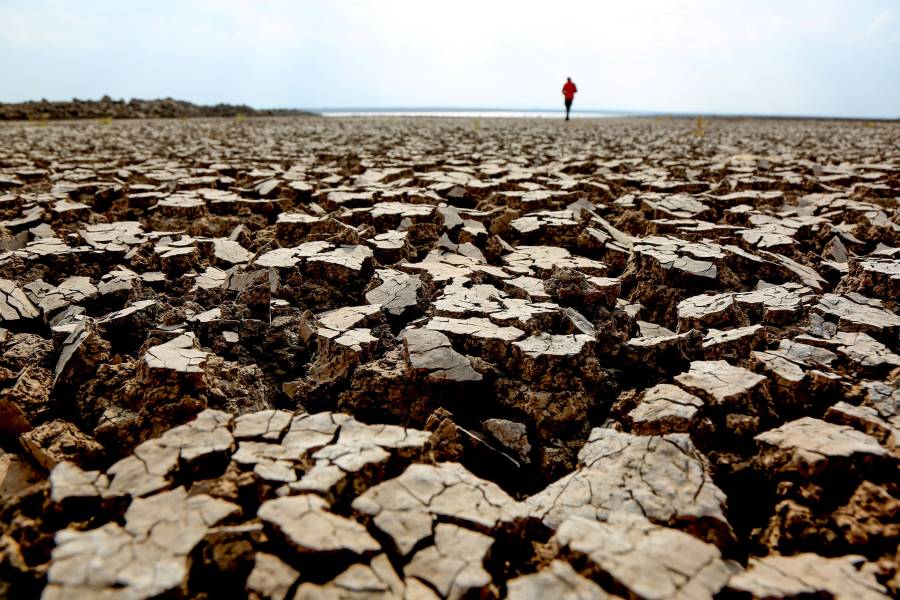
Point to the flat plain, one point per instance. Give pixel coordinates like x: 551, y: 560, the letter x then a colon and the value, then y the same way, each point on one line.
x: 417, y: 358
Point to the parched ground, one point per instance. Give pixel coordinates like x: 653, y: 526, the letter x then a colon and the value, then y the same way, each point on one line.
x: 460, y: 358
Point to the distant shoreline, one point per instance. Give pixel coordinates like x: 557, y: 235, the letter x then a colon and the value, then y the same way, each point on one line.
x: 555, y: 113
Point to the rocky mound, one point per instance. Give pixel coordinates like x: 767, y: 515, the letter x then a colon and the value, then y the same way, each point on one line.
x: 388, y: 358
x: 106, y: 107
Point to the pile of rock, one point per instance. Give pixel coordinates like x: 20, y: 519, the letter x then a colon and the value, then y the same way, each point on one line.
x: 107, y: 108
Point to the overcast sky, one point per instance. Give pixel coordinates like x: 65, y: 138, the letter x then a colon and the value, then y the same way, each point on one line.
x: 803, y: 57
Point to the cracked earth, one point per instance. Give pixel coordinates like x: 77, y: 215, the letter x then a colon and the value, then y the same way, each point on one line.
x: 296, y: 358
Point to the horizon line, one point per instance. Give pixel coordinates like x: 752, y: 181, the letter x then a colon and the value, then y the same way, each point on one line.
x: 610, y: 111
x: 451, y: 109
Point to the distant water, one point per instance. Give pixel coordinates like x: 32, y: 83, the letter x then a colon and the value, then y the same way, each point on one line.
x: 474, y: 113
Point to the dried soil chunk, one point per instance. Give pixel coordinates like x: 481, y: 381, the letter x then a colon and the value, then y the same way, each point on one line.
x: 663, y: 478
x: 210, y: 279
x: 67, y: 482
x: 287, y: 258
x: 264, y: 424
x: 808, y: 575
x: 82, y: 351
x: 14, y: 304
x: 56, y: 441
x: 776, y: 304
x: 276, y: 461
x: 453, y: 565
x: 784, y: 373
x: 345, y: 264
x: 810, y: 446
x: 546, y: 225
x: 293, y: 227
x: 17, y: 474
x: 398, y: 292
x: 183, y: 206
x: 430, y: 352
x: 208, y: 434
x: 174, y: 520
x: 512, y: 435
x: 874, y: 276
x: 108, y: 562
x: 771, y: 304
x: 148, y: 470
x: 522, y: 313
x: 678, y: 206
x: 805, y: 354
x: 311, y: 431
x: 857, y: 313
x: 131, y: 322
x: 206, y: 438
x: 532, y: 287
x: 230, y: 252
x: 442, y: 267
x: 271, y: 577
x: 51, y: 299
x: 544, y: 345
x: 645, y: 560
x: 721, y: 383
x: 662, y: 352
x: 348, y: 317
x: 348, y: 347
x: 406, y: 507
x: 477, y: 334
x: 547, y: 356
x: 543, y: 259
x: 806, y: 274
x: 308, y: 527
x: 559, y: 581
x: 664, y: 408
x: 733, y: 343
x: 705, y: 310
x: 178, y: 355
x: 867, y: 419
x: 865, y: 351
x: 884, y: 399
x: 374, y: 581
x: 360, y: 452
x: 118, y: 236
x: 668, y: 257
x: 142, y: 560
x: 459, y: 299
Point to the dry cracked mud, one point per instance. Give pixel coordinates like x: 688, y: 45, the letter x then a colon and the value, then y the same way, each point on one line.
x: 297, y: 358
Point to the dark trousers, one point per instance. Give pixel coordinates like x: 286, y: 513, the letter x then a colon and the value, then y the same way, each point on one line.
x: 568, y: 107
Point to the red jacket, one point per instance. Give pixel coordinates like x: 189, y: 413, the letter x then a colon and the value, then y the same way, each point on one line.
x: 569, y: 90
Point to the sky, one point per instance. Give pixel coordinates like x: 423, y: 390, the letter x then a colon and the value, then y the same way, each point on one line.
x: 788, y: 57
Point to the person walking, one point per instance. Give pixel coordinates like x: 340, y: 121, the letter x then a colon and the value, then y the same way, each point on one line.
x: 568, y: 91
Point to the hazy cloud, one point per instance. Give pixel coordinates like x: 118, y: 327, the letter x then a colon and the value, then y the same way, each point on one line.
x: 827, y: 57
